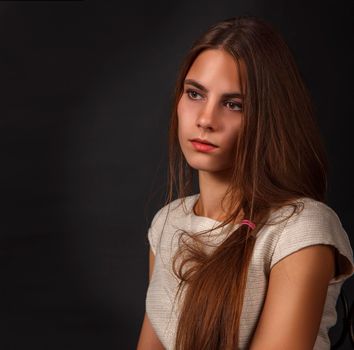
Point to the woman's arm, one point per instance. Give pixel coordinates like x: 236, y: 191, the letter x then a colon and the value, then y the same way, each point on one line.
x: 148, y: 339
x: 295, y: 300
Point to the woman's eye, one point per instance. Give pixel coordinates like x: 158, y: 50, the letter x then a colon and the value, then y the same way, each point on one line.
x: 233, y: 106
x: 193, y: 95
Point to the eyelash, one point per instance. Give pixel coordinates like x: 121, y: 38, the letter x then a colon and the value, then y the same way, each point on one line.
x: 239, y: 105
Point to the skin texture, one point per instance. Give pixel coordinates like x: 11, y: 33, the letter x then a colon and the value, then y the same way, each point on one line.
x: 298, y: 283
x: 295, y: 299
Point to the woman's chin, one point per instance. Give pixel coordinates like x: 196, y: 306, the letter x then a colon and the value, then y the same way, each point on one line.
x: 205, y: 165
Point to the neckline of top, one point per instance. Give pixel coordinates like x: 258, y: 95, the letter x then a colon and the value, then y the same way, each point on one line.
x: 192, y: 201
x: 202, y: 220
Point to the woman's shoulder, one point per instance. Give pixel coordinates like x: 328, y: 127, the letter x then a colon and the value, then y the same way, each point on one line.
x: 305, y: 209
x: 314, y: 222
x: 308, y: 219
x: 174, y: 210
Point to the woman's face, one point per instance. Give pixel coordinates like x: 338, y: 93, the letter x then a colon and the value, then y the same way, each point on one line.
x: 210, y: 109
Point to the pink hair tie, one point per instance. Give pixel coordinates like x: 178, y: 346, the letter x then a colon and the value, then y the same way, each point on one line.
x: 248, y: 223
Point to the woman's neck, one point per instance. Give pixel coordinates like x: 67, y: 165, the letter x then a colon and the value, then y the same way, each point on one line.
x: 212, y: 191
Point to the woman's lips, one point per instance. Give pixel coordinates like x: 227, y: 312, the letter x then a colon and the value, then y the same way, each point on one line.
x: 203, y: 147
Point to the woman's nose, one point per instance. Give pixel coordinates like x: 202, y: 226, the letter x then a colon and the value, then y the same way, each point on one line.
x: 207, y: 116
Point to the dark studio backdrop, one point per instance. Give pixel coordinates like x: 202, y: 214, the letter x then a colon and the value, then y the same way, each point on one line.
x: 85, y: 98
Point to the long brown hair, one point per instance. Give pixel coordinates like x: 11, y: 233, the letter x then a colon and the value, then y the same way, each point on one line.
x: 280, y: 158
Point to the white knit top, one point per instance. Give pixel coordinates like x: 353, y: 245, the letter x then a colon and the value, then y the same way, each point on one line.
x: 317, y: 223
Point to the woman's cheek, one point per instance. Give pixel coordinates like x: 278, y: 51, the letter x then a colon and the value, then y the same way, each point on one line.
x: 186, y: 117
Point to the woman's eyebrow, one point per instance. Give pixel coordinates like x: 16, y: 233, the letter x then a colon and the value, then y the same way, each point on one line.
x: 204, y: 89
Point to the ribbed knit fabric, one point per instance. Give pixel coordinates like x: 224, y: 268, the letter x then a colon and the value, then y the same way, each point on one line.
x: 317, y: 223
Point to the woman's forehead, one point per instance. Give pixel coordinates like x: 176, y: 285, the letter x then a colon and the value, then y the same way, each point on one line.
x: 217, y: 69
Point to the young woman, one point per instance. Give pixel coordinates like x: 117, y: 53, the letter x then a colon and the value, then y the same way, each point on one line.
x: 256, y: 259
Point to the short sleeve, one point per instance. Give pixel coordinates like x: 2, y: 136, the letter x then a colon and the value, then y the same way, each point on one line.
x: 315, y: 224
x: 151, y: 240
x: 154, y: 230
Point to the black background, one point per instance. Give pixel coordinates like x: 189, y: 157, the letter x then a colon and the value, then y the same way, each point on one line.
x: 85, y: 98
